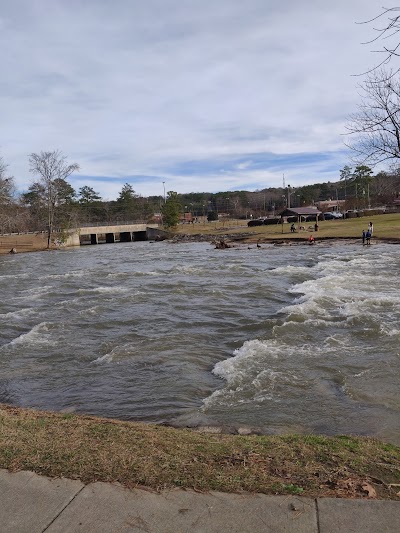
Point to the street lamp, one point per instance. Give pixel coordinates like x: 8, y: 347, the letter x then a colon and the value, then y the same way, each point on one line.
x: 289, y: 195
x: 164, y: 190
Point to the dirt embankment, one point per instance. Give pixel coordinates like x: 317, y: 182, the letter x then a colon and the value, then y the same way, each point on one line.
x: 26, y: 242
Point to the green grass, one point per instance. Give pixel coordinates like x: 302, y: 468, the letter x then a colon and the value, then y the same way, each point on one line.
x: 385, y: 227
x: 133, y: 454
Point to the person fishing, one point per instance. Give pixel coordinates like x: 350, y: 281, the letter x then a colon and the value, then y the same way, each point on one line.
x: 311, y: 239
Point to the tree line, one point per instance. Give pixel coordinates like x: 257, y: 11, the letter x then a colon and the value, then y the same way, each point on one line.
x: 52, y: 203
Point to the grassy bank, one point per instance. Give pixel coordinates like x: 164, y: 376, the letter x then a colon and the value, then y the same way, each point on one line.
x: 385, y: 227
x: 94, y: 449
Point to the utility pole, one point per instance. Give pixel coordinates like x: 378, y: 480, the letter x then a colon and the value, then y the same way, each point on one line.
x: 288, y: 196
x: 164, y: 190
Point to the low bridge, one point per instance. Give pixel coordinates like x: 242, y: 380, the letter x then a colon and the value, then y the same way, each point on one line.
x: 117, y: 233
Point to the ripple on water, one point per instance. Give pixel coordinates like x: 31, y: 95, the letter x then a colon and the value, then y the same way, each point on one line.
x: 274, y: 339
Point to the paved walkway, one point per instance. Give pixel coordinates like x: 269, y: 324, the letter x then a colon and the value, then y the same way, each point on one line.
x: 33, y: 504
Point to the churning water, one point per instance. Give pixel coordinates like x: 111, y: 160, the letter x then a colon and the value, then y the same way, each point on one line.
x: 284, y: 339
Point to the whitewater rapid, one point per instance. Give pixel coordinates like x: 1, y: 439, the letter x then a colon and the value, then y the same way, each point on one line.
x: 297, y: 338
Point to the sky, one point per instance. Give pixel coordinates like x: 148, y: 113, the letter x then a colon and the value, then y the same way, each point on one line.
x: 190, y: 95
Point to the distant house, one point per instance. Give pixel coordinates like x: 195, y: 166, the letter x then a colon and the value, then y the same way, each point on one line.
x: 330, y: 205
x: 186, y: 218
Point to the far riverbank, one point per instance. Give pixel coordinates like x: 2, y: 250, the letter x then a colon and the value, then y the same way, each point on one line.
x: 386, y: 229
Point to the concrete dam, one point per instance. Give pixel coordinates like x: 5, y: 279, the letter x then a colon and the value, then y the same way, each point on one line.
x: 116, y: 233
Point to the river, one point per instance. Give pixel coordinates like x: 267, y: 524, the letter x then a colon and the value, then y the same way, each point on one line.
x: 280, y: 339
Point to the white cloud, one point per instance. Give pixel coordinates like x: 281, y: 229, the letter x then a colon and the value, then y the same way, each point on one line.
x: 131, y: 88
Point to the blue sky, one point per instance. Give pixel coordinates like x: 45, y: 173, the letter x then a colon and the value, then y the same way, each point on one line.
x: 204, y: 95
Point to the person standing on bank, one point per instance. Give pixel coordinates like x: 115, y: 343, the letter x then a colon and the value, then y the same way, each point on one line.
x: 371, y: 228
x: 368, y: 236
x: 364, y: 234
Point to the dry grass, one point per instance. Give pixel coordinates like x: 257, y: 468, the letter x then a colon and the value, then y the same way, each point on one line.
x: 94, y: 449
x: 385, y: 227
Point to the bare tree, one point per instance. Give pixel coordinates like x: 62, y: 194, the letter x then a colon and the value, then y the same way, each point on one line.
x: 7, y: 204
x: 7, y: 187
x: 52, y: 169
x: 345, y: 175
x: 374, y: 131
x: 385, y: 186
x: 388, y: 29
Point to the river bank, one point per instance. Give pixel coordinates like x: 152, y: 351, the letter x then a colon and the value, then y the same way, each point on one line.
x: 245, y: 238
x: 24, y: 242
x: 387, y: 229
x: 157, y: 457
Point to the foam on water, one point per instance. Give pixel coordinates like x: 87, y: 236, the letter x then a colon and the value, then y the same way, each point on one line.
x: 118, y: 275
x: 106, y: 358
x: 39, y: 335
x: 14, y: 276
x: 344, y: 289
x: 19, y: 314
x: 91, y: 311
x: 148, y: 273
x: 251, y: 375
x: 189, y: 269
x: 35, y: 293
x: 334, y: 294
x: 292, y: 270
x: 390, y: 331
x: 248, y: 374
x: 73, y: 274
x: 104, y: 290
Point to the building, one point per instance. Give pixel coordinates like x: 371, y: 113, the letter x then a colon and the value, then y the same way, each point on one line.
x: 331, y: 205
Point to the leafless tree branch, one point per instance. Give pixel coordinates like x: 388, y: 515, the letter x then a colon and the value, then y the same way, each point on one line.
x: 388, y: 31
x: 374, y: 130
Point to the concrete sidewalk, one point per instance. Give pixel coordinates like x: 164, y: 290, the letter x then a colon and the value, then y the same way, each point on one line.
x: 32, y: 504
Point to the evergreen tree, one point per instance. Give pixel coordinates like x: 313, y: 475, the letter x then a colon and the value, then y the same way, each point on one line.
x: 88, y: 195
x: 171, y: 210
x: 127, y: 202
